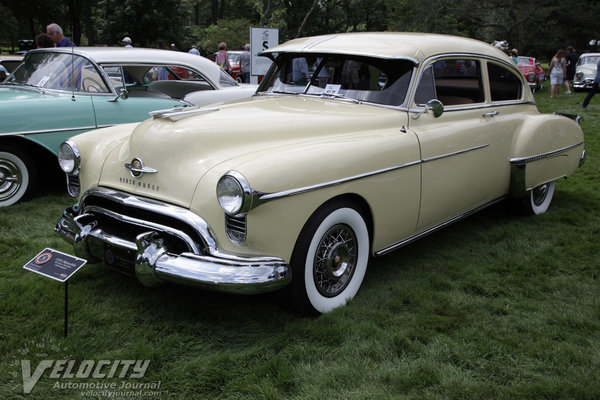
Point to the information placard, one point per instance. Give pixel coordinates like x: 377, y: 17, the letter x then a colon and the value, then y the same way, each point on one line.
x: 55, y: 264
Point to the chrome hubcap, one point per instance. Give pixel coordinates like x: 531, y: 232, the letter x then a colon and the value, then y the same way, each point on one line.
x: 10, y: 179
x: 335, y: 260
x: 539, y: 194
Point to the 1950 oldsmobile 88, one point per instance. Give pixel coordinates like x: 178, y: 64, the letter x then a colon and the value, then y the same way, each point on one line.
x: 354, y: 145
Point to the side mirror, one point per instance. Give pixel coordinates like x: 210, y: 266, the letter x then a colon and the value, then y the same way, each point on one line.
x: 123, y: 95
x: 436, y: 107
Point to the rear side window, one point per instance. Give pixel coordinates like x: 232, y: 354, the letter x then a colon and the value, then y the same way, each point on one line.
x: 451, y: 81
x: 504, y: 84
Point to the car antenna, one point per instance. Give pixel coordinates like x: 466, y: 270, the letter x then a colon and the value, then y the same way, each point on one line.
x: 73, y: 71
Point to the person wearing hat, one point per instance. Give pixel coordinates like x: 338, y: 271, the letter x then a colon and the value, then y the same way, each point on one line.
x: 127, y: 41
x: 194, y: 50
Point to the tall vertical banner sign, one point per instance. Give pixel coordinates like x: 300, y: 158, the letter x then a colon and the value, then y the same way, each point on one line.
x: 262, y: 39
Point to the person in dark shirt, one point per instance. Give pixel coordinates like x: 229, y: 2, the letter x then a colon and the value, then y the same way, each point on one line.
x: 571, y: 63
x: 59, y: 39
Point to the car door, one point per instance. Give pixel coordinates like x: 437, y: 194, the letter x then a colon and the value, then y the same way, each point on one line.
x: 111, y: 110
x: 464, y: 152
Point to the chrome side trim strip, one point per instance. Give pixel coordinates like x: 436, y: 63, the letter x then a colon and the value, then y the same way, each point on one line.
x: 270, y: 196
x: 525, y: 160
x: 77, y: 128
x: 435, y: 228
x: 455, y: 153
x: 264, y: 197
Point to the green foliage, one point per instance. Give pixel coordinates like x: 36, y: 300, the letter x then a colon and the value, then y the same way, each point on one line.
x: 235, y: 33
x: 536, y: 28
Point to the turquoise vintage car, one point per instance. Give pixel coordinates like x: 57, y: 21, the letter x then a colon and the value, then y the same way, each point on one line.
x: 59, y: 92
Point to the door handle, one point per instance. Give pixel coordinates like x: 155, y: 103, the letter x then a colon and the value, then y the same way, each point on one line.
x: 490, y: 114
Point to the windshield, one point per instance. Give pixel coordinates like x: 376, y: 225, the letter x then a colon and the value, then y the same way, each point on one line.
x: 589, y: 59
x: 525, y: 61
x: 59, y: 71
x: 367, y: 79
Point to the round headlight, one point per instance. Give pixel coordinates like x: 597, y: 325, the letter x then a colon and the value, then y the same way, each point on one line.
x: 234, y: 193
x: 69, y: 158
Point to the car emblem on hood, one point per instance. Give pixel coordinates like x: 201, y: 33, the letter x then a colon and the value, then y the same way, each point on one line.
x: 137, y: 168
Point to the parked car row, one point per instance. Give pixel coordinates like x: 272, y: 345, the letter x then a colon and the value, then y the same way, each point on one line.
x: 56, y: 93
x: 585, y: 72
x: 353, y: 146
x: 533, y: 72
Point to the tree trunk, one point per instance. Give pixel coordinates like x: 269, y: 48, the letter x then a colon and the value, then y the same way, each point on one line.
x: 306, y: 18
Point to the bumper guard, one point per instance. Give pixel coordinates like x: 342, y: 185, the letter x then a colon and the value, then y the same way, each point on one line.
x: 154, y: 264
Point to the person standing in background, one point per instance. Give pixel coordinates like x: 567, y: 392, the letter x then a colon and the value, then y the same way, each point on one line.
x: 223, y: 58
x: 126, y: 41
x: 56, y: 33
x: 558, y: 71
x: 571, y: 58
x: 194, y: 50
x: 43, y: 40
x: 245, y: 59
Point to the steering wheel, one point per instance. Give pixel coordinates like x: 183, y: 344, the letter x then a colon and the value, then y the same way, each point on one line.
x: 90, y: 84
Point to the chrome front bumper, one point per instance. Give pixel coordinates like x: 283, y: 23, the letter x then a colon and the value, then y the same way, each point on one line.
x: 153, y: 264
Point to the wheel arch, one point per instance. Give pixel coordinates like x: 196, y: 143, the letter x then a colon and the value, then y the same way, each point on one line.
x: 353, y: 200
x: 40, y: 154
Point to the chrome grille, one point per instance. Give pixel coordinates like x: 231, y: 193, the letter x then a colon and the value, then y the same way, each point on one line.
x: 235, y: 227
x: 73, y: 187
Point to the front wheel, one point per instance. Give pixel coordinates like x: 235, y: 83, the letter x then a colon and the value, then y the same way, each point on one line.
x: 539, y: 199
x: 17, y: 175
x: 330, y: 259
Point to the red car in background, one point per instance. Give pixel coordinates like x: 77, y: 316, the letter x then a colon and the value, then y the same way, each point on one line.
x: 533, y: 72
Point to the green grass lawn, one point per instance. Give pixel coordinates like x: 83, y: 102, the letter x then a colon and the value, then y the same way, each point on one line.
x: 497, y: 306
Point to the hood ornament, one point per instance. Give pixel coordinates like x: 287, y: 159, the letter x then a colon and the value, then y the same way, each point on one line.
x: 137, y: 169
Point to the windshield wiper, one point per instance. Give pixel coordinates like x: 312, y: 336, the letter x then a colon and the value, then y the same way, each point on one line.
x: 277, y: 92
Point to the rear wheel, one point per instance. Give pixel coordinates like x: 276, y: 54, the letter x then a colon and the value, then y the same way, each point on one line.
x: 330, y: 259
x: 539, y: 199
x: 18, y: 175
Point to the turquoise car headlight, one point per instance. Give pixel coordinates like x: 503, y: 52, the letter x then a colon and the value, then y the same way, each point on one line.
x: 69, y: 157
x: 234, y: 193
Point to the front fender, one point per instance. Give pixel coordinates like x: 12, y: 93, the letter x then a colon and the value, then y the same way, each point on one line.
x: 94, y: 151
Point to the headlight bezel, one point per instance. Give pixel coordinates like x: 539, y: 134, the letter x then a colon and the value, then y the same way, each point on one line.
x: 69, y: 157
x: 234, y: 194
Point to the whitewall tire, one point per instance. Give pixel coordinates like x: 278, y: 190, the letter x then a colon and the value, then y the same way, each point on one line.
x: 17, y: 175
x: 539, y: 198
x: 330, y: 259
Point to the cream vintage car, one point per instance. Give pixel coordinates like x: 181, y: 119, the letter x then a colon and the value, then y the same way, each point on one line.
x: 353, y: 146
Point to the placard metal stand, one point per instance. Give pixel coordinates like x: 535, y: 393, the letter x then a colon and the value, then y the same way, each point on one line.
x: 59, y: 266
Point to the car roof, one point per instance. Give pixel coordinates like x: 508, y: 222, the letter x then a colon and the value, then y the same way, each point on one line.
x: 416, y: 47
x: 140, y: 55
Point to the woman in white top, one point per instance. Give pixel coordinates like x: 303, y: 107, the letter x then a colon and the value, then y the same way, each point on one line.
x: 558, y: 71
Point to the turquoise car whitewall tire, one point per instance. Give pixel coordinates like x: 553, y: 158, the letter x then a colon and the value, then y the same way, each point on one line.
x: 330, y: 259
x: 17, y: 175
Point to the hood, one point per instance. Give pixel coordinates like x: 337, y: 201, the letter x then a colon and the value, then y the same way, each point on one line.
x: 24, y: 109
x: 588, y: 70
x: 183, y: 151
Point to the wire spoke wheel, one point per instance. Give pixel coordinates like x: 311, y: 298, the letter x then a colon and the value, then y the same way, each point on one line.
x: 335, y: 260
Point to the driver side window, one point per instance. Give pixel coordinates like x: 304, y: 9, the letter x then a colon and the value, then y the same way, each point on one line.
x: 451, y: 81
